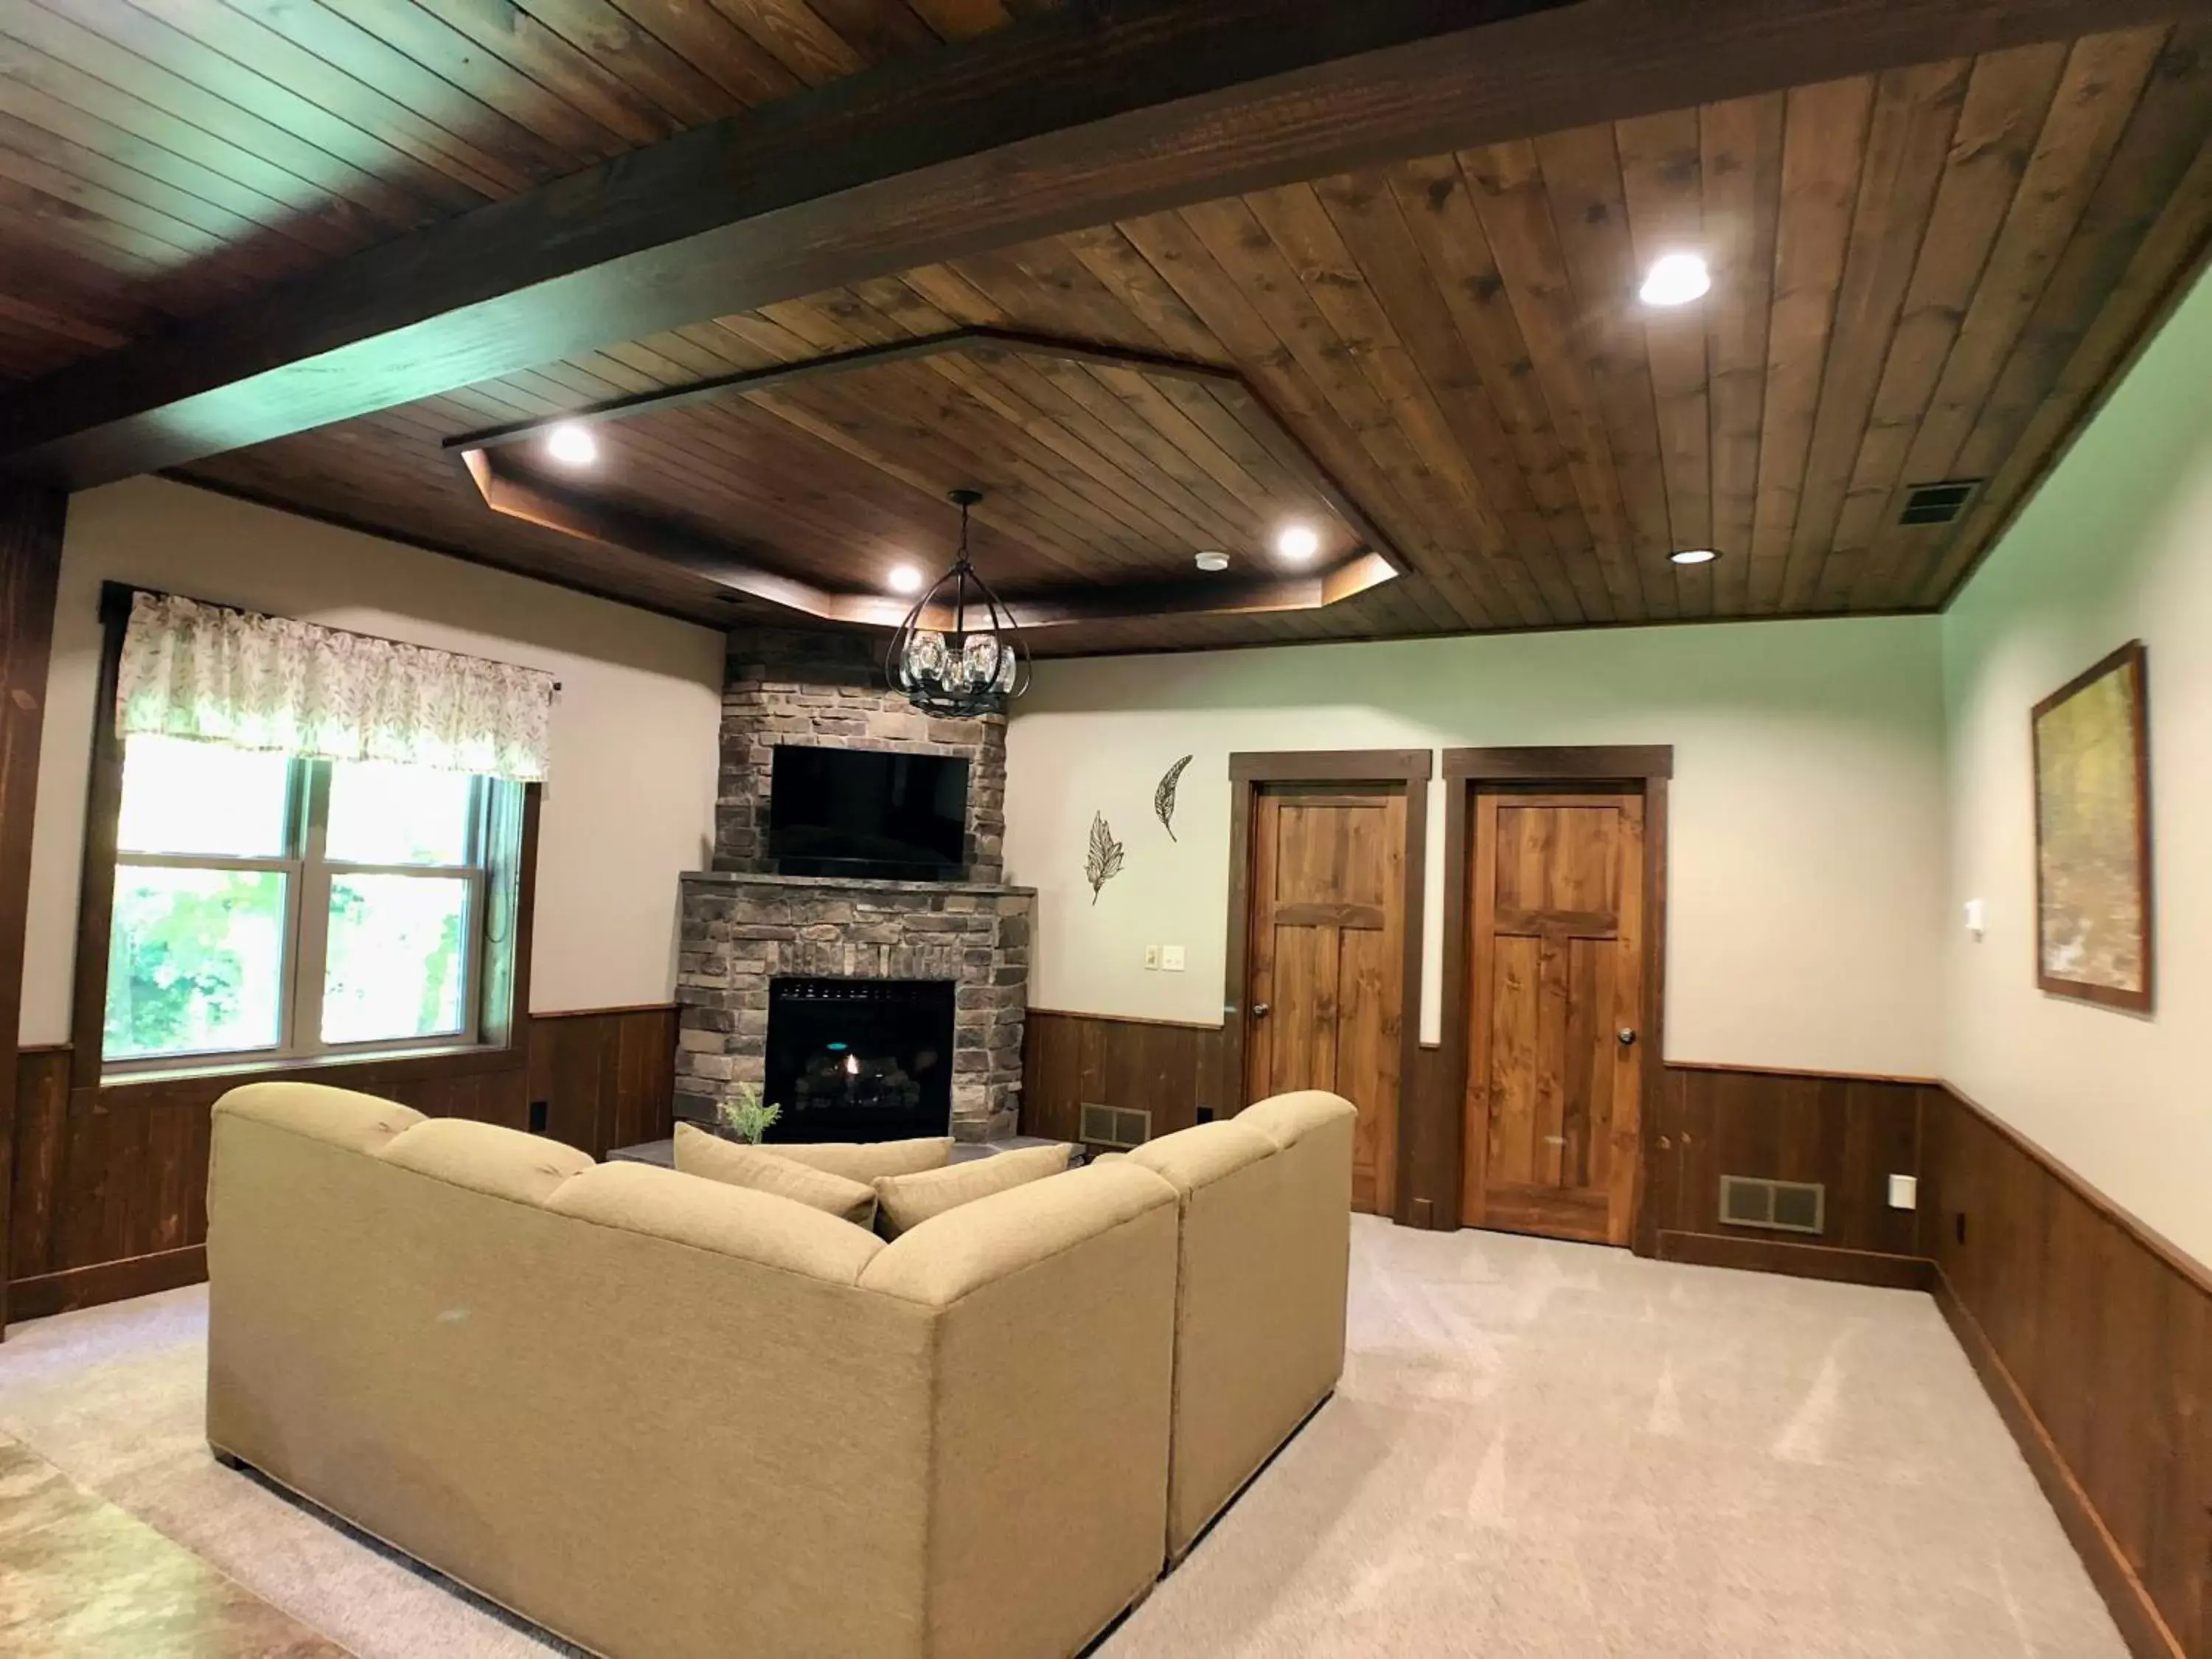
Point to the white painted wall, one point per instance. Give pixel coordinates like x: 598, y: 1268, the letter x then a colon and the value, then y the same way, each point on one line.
x: 1807, y: 837
x: 630, y: 801
x: 2116, y: 545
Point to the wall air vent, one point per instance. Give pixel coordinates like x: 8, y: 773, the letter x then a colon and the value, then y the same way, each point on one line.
x: 1114, y: 1126
x: 1937, y: 503
x: 1784, y: 1206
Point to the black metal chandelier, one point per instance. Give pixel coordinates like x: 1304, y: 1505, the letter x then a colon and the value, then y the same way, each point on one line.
x: 977, y: 664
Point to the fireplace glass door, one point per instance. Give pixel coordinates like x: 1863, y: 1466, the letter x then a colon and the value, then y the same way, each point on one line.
x: 860, y: 1059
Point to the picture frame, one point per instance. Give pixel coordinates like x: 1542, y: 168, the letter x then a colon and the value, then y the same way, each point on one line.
x: 2093, y: 895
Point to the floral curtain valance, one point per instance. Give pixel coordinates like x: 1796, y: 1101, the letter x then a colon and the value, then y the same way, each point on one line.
x: 253, y: 682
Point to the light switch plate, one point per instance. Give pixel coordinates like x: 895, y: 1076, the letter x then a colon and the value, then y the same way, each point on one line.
x: 1151, y: 955
x: 1904, y: 1192
x: 1171, y: 958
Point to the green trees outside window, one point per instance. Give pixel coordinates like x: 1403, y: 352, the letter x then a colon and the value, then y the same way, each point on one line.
x: 266, y: 904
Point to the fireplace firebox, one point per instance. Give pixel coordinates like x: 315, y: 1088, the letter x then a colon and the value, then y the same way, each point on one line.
x: 860, y: 1059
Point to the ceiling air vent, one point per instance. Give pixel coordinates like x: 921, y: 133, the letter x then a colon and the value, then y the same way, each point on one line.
x: 1937, y: 503
x: 1784, y: 1206
x: 1114, y: 1126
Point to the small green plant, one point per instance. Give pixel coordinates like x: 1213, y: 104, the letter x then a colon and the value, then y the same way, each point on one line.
x: 743, y: 1116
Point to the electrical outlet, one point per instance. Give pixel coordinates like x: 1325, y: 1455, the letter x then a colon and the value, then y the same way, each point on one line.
x: 1904, y: 1192
x: 1171, y: 958
x: 1153, y: 957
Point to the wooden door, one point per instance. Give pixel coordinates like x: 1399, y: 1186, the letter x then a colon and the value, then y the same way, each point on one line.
x: 1325, y: 972
x: 1556, y: 1055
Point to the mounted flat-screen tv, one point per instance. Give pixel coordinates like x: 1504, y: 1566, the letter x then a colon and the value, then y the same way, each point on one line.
x: 864, y: 812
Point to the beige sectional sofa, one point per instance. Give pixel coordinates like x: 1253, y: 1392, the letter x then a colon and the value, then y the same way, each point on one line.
x: 668, y: 1419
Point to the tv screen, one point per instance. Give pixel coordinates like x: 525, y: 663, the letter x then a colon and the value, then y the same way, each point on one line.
x: 858, y: 811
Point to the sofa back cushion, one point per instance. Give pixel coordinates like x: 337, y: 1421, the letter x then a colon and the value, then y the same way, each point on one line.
x: 736, y: 1221
x: 486, y: 1158
x: 864, y: 1160
x: 736, y: 1164
x: 1288, y: 1119
x: 907, y: 1200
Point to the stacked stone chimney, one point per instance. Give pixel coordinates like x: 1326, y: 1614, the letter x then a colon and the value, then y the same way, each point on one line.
x: 745, y: 925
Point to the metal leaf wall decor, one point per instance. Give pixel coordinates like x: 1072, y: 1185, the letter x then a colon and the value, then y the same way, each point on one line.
x: 1105, y: 860
x: 1164, y: 798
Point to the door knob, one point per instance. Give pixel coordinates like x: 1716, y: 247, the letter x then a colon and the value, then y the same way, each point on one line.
x: 1259, y: 1010
x: 1628, y: 1035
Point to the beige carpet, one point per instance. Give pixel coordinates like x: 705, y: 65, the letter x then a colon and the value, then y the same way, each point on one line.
x: 1538, y: 1449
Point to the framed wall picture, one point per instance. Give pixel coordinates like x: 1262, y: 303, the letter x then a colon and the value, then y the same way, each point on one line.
x: 2092, y: 841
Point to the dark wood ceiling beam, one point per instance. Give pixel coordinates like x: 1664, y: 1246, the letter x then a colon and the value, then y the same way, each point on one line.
x: 1063, y: 121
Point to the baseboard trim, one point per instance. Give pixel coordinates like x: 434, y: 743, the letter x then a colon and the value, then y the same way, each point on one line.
x: 2141, y: 1626
x: 1775, y: 1255
x: 106, y: 1281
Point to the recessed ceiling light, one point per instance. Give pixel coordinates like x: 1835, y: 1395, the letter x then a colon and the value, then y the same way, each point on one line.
x: 572, y: 444
x: 1298, y: 542
x: 1675, y: 280
x: 906, y: 579
x: 1211, y: 560
x: 1694, y: 556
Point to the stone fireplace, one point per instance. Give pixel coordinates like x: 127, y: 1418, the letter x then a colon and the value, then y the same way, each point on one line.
x: 747, y: 927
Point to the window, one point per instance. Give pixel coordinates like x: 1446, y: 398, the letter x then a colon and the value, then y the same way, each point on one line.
x: 272, y: 907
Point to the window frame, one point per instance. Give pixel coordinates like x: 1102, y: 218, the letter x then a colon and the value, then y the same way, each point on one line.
x: 503, y: 845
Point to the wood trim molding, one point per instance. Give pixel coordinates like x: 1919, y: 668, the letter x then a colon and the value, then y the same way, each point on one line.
x: 2141, y: 1625
x: 1653, y: 765
x: 95, y: 909
x: 1776, y: 1255
x: 107, y: 1281
x: 1601, y: 763
x: 1129, y: 1020
x: 1802, y: 1070
x: 1074, y: 118
x: 1332, y: 766
x: 609, y: 1013
x: 1410, y: 767
x: 32, y: 524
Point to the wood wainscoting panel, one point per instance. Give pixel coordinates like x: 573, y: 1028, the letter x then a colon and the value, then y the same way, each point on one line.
x: 1849, y: 1135
x: 1170, y: 1070
x: 109, y: 1186
x: 606, y: 1077
x: 2094, y: 1335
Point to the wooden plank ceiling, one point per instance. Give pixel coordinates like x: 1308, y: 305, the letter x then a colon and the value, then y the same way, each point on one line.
x: 158, y: 157
x: 1097, y: 474
x: 1925, y: 275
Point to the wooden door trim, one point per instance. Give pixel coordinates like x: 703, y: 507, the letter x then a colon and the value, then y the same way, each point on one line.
x: 1464, y: 771
x: 1410, y: 769
x: 1604, y: 763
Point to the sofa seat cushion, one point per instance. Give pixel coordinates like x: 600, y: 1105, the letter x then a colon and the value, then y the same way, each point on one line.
x: 864, y: 1160
x: 736, y: 1164
x: 907, y: 1200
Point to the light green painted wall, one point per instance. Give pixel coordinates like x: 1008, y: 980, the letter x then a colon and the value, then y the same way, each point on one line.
x: 2117, y: 545
x: 1807, y: 827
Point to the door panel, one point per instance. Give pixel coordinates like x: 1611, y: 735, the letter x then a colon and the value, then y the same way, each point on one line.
x: 1326, y: 959
x: 1556, y: 885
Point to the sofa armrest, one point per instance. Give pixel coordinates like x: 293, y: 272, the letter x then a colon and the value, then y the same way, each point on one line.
x: 1051, y: 1309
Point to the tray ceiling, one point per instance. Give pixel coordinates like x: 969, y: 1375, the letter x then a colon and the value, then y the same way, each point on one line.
x: 1922, y: 275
